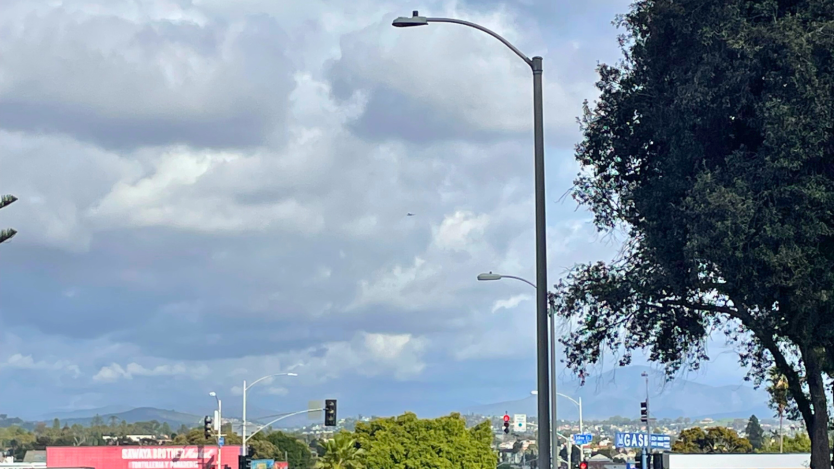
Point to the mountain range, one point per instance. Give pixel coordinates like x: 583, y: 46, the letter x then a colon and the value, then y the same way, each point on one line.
x: 173, y: 418
x: 619, y: 393
x: 614, y: 393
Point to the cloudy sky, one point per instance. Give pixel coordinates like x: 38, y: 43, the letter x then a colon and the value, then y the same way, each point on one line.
x: 211, y: 191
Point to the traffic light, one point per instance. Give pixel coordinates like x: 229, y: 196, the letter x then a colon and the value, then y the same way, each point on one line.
x: 244, y: 461
x: 330, y: 413
x: 644, y: 411
x: 207, y: 427
x: 506, y: 423
x: 583, y: 465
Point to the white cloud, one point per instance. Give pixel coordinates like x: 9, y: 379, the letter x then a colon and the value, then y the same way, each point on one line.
x: 510, y: 302
x: 115, y: 372
x: 209, y: 173
x: 26, y: 362
x: 277, y: 391
x: 460, y: 230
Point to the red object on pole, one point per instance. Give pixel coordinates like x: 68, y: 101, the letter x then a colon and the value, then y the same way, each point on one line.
x: 583, y: 465
x: 506, y: 418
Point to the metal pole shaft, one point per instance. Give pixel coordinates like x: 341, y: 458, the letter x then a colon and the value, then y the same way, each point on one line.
x: 581, y: 431
x: 243, y: 429
x: 553, y: 394
x: 541, y: 268
x: 219, y: 434
x: 648, y: 426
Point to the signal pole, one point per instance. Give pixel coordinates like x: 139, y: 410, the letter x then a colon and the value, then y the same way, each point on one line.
x: 645, y: 456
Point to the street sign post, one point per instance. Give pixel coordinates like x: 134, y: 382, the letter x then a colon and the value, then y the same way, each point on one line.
x: 638, y: 440
x: 580, y: 439
x: 221, y: 441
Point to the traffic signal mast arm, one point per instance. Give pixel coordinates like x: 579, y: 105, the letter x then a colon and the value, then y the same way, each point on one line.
x: 279, y: 419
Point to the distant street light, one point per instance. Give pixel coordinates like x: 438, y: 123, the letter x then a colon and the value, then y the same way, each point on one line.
x: 219, y: 429
x: 489, y: 276
x: 581, y: 428
x: 246, y: 388
x: 535, y: 65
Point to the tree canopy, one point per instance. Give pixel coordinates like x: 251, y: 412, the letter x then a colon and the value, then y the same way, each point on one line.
x: 754, y: 433
x: 272, y: 445
x: 713, y: 440
x: 406, y: 442
x: 7, y: 233
x: 298, y: 454
x: 711, y: 148
x: 341, y: 452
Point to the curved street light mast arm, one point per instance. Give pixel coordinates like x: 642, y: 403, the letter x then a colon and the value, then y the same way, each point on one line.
x: 568, y: 398
x: 492, y: 33
x: 265, y: 377
x: 520, y: 279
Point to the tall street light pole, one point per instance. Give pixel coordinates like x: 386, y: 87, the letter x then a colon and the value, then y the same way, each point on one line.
x: 219, y: 429
x: 246, y: 388
x: 570, y: 443
x: 554, y: 437
x: 535, y: 65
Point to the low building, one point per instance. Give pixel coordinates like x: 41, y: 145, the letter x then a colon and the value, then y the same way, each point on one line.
x: 142, y: 457
x: 736, y: 461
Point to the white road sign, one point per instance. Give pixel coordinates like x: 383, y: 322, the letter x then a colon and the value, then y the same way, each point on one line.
x: 520, y: 422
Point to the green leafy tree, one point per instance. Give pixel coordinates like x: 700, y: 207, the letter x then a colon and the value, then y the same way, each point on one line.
x: 7, y: 234
x: 780, y: 399
x: 713, y: 440
x: 296, y: 452
x: 691, y: 440
x: 798, y: 443
x: 710, y: 147
x: 262, y: 447
x: 341, y: 452
x: 754, y: 433
x: 406, y: 442
x: 195, y: 436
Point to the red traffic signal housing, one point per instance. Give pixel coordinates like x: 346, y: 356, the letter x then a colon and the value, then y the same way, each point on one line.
x: 506, y: 418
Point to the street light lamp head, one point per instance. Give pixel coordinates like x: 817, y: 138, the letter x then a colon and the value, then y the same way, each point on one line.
x: 534, y: 392
x: 213, y: 394
x: 489, y: 276
x: 292, y: 374
x: 414, y: 20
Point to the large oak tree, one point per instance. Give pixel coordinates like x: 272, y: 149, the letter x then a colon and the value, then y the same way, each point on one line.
x: 712, y: 148
x: 7, y: 234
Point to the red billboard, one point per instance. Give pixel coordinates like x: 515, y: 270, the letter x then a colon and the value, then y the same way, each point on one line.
x: 141, y: 457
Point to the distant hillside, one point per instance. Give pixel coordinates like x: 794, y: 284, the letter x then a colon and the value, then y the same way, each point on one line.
x: 79, y: 414
x: 144, y: 414
x: 619, y: 392
x: 6, y: 421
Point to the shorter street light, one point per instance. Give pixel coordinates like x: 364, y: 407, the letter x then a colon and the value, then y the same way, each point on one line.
x: 219, y: 427
x: 489, y: 276
x: 245, y: 389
